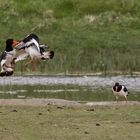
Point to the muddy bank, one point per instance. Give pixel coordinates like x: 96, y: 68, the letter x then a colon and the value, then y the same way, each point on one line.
x: 58, y: 102
x: 132, y: 83
x: 37, y: 102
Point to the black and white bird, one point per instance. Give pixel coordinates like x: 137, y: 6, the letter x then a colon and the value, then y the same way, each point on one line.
x: 7, y: 57
x: 20, y: 50
x: 32, y: 47
x: 120, y: 90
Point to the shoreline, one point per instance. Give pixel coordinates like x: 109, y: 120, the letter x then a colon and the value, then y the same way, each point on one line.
x: 59, y: 102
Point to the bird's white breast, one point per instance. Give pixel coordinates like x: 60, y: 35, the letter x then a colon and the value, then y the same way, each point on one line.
x: 33, y: 52
x: 121, y: 92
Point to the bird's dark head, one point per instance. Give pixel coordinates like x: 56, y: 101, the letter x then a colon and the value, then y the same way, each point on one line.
x: 117, y: 84
x: 9, y: 41
x: 10, y: 44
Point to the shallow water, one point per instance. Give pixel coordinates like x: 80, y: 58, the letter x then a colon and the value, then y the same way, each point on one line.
x: 69, y: 88
x: 132, y: 83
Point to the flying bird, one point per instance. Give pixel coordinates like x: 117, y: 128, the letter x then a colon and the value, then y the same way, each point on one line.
x: 20, y: 50
x: 7, y: 57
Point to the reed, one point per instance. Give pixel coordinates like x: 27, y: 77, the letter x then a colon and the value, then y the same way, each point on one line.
x: 87, y: 36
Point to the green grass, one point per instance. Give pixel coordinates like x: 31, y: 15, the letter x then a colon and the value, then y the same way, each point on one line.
x: 87, y: 36
x: 53, y: 123
x: 67, y: 92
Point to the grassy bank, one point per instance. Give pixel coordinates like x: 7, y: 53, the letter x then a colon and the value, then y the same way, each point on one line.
x: 87, y: 36
x: 52, y: 122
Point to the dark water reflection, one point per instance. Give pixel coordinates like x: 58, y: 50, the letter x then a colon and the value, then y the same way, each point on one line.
x: 68, y: 92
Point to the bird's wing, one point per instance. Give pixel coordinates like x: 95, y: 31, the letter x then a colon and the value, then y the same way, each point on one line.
x: 20, y: 55
x: 43, y: 46
x: 125, y: 89
x: 23, y: 45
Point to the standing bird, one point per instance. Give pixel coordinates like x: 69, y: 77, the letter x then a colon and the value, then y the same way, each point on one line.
x: 120, y: 90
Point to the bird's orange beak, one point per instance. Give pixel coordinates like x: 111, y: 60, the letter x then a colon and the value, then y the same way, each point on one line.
x: 15, y: 42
